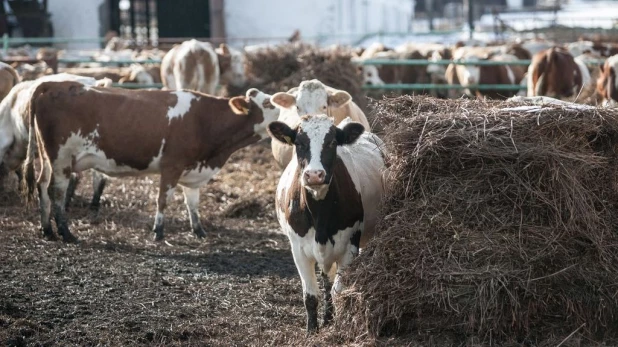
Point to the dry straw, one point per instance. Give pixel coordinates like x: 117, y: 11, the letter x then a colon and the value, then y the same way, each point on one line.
x: 280, y: 68
x: 498, y: 225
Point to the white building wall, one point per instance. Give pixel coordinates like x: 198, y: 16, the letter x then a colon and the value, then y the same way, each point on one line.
x: 76, y: 19
x: 338, y: 20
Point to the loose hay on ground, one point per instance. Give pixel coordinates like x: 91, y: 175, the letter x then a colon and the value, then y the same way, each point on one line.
x: 497, y: 226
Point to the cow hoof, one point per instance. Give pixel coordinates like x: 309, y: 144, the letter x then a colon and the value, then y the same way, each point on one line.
x: 48, y: 233
x: 328, y: 318
x: 69, y: 238
x: 200, y: 232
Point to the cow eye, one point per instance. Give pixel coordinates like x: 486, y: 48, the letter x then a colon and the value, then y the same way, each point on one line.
x: 324, y: 107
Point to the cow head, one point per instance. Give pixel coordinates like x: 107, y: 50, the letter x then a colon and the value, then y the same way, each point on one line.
x: 607, y: 83
x: 311, y: 98
x: 256, y: 104
x: 231, y: 65
x: 316, y: 139
x: 137, y: 74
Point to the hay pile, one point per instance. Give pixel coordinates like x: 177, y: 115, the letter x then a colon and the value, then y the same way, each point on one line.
x: 498, y: 226
x: 280, y: 68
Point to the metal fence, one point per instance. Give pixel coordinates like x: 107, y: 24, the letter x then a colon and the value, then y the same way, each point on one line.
x: 432, y: 86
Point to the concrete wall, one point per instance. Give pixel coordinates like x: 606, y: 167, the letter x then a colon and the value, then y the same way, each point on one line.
x: 77, y: 19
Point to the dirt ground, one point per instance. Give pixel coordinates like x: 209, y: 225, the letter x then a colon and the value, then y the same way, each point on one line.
x: 239, y: 286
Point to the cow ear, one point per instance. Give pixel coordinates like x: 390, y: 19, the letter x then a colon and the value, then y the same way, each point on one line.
x: 338, y: 99
x: 283, y: 100
x: 240, y: 105
x: 350, y: 133
x: 282, y: 132
x: 225, y: 50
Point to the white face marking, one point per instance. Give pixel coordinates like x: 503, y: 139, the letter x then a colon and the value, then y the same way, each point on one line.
x: 371, y: 75
x: 316, y: 129
x: 469, y: 74
x: 311, y: 98
x: 182, y: 105
x: 269, y: 114
x: 435, y: 68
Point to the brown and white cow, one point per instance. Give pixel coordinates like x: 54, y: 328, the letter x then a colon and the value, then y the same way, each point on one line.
x: 555, y: 73
x: 327, y: 200
x: 312, y: 98
x: 198, y: 66
x: 14, y: 126
x: 8, y: 78
x: 469, y: 75
x: 607, y: 83
x: 184, y: 136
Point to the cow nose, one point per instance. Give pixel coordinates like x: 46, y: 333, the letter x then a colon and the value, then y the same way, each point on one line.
x: 314, y: 177
x: 369, y: 83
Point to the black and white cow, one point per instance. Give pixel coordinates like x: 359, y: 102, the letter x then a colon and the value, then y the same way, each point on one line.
x: 327, y: 200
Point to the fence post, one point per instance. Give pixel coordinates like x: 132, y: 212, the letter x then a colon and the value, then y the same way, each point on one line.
x: 5, y: 44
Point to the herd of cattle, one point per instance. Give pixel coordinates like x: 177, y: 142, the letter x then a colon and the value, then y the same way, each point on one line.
x: 555, y: 71
x: 327, y: 196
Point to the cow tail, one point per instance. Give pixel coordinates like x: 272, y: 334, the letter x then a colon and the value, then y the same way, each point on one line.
x: 28, y: 180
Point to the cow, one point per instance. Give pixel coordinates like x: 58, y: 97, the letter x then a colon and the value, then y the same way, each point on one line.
x: 607, y: 83
x: 135, y: 73
x: 184, y: 136
x: 311, y: 98
x: 555, y: 73
x: 327, y: 201
x: 198, y: 66
x: 8, y: 78
x: 596, y: 47
x: 468, y: 75
x: 14, y: 126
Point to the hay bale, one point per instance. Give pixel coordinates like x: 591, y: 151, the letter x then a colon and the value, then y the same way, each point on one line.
x: 498, y: 226
x: 280, y: 68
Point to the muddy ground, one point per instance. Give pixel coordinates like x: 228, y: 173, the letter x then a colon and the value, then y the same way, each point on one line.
x: 239, y: 286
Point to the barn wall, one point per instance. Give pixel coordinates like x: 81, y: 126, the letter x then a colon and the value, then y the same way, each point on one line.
x: 347, y: 19
x: 75, y: 19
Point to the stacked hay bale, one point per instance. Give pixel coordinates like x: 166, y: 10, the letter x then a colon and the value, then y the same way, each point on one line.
x: 280, y: 68
x: 499, y: 226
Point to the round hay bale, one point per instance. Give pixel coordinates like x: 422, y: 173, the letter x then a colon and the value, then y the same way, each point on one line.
x: 499, y: 225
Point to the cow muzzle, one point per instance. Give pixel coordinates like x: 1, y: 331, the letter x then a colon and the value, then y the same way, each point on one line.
x: 314, y: 177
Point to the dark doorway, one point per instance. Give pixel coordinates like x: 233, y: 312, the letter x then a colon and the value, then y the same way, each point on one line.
x: 191, y: 19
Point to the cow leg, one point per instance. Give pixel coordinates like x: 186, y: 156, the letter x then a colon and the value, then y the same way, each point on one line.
x: 4, y: 172
x: 43, y: 183
x: 166, y: 191
x: 192, y: 200
x: 73, y: 182
x: 327, y: 280
x: 98, y: 184
x: 59, y: 195
x: 20, y: 175
x: 346, y: 260
x: 306, y: 269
